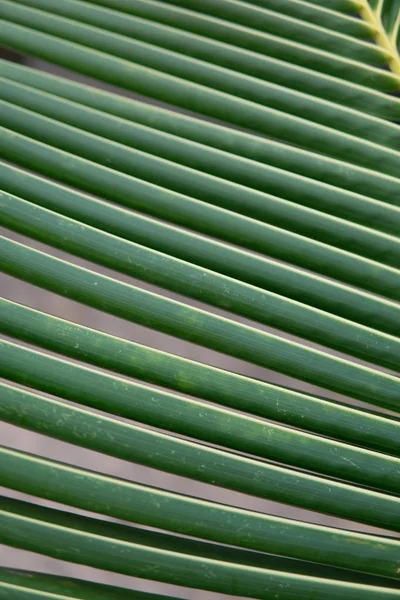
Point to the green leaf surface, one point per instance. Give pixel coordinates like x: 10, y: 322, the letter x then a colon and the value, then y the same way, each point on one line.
x: 194, y: 282
x: 256, y: 171
x: 191, y: 516
x: 264, y: 273
x: 193, y: 324
x: 282, y: 158
x: 365, y: 428
x: 195, y: 461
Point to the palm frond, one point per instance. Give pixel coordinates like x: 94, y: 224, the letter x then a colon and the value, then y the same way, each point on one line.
x: 246, y: 202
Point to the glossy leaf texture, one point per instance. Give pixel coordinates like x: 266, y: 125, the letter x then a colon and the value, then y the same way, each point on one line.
x: 200, y: 311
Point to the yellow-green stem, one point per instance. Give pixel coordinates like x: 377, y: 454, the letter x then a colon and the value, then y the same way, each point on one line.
x: 373, y: 18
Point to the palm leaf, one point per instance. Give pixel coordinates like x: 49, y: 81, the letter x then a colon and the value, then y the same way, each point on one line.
x: 266, y: 186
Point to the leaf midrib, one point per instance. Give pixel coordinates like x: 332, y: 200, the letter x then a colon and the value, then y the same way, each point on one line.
x: 382, y: 39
